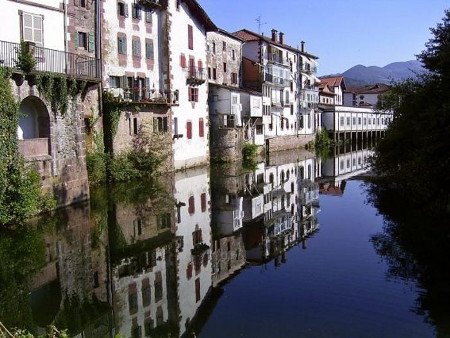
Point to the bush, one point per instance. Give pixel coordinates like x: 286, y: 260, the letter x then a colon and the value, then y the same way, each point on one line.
x: 323, y: 144
x: 96, y: 167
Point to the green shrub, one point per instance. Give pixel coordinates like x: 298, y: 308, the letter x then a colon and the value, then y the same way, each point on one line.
x: 323, y: 144
x: 96, y: 167
x: 25, y: 58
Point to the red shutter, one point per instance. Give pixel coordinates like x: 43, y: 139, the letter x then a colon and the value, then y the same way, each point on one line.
x: 203, y: 202
x: 191, y: 207
x: 183, y: 61
x: 190, y: 37
x: 200, y: 65
x: 197, y: 289
x: 189, y: 130
x: 201, y: 128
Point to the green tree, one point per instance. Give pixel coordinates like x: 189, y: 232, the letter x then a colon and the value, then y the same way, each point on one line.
x: 415, y: 154
x: 20, y: 191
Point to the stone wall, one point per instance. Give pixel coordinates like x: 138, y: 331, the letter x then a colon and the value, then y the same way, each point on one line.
x: 63, y: 169
x: 288, y: 142
x: 226, y: 144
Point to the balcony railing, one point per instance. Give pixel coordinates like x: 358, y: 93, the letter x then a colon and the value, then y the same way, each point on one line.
x: 308, y: 69
x: 145, y: 96
x: 195, y: 76
x: 55, y: 61
x: 277, y: 80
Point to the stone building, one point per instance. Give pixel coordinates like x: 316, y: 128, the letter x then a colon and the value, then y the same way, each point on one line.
x: 51, y: 128
x: 134, y: 39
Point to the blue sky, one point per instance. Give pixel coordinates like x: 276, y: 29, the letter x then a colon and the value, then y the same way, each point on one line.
x: 342, y: 33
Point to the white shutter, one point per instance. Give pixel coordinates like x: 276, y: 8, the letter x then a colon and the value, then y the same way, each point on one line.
x: 27, y: 20
x: 38, y: 36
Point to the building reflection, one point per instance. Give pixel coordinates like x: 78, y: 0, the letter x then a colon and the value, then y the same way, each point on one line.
x: 153, y: 263
x: 337, y: 170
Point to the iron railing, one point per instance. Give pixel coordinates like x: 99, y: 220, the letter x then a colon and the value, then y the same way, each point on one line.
x: 277, y: 80
x: 54, y: 61
x: 195, y: 75
x: 143, y: 95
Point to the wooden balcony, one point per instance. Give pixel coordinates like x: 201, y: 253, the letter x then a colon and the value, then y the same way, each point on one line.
x: 54, y: 61
x: 153, y: 4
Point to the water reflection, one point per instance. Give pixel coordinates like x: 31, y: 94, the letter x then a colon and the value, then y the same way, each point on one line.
x: 151, y: 259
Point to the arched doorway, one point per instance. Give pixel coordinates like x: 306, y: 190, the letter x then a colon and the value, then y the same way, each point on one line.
x: 33, y: 130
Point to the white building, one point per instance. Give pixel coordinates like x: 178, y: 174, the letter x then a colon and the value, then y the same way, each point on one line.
x: 337, y: 85
x: 189, y: 24
x: 340, y: 119
x: 193, y: 231
x: 286, y: 77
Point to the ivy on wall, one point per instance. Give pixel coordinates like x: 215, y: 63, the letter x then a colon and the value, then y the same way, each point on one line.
x: 57, y: 89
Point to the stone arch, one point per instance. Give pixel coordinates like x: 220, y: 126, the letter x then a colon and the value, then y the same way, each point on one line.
x: 33, y: 130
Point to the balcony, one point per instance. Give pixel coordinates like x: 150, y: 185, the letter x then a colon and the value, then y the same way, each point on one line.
x: 276, y: 80
x: 306, y: 68
x: 195, y: 76
x: 274, y: 58
x: 54, y: 61
x: 144, y: 96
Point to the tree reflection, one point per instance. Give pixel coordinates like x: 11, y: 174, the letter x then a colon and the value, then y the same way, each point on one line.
x: 415, y: 243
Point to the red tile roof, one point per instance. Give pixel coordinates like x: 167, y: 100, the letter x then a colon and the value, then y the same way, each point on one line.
x: 378, y: 88
x: 333, y: 81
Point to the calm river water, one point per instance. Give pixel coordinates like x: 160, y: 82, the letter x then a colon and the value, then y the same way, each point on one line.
x: 287, y: 249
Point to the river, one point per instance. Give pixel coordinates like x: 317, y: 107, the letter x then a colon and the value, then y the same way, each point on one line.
x: 291, y: 248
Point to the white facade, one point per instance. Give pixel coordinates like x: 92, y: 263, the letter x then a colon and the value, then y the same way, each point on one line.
x: 353, y: 119
x: 194, y: 231
x: 41, y: 22
x: 191, y: 145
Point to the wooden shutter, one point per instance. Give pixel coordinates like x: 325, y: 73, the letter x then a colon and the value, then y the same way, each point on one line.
x: 203, y: 201
x: 75, y: 39
x: 149, y: 52
x: 91, y: 42
x: 190, y: 37
x: 201, y: 127
x: 183, y: 61
x: 191, y: 207
x: 175, y: 125
x: 189, y: 130
x: 125, y: 6
x: 200, y: 65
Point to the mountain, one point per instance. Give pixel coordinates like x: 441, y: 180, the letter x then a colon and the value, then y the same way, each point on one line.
x: 396, y: 71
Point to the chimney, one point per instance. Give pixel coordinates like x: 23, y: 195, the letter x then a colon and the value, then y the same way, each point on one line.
x: 274, y: 35
x: 302, y: 48
x: 281, y: 38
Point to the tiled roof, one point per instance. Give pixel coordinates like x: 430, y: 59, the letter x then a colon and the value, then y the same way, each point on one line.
x: 247, y: 35
x: 333, y: 81
x: 378, y: 88
x: 325, y: 90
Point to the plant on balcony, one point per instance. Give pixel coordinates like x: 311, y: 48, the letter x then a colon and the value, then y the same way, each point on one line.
x: 26, y: 61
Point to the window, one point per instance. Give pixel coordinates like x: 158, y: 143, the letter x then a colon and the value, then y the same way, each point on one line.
x: 149, y: 51
x: 82, y: 3
x: 160, y: 125
x: 146, y: 293
x: 136, y: 47
x: 197, y: 290
x: 163, y: 221
x: 122, y: 44
x: 190, y: 37
x: 136, y: 11
x: 224, y: 46
x: 189, y: 130
x: 256, y: 103
x: 193, y: 94
x: 342, y: 121
x: 201, y: 128
x: 224, y: 67
x: 148, y: 16
x: 114, y: 82
x: 359, y: 120
x: 233, y: 54
x: 132, y: 298
x: 214, y: 74
x: 178, y: 5
x: 348, y: 121
x: 209, y: 73
x: 122, y: 9
x: 135, y: 126
x: 32, y: 28
x: 82, y: 40
x: 191, y: 205
x: 203, y: 201
x: 234, y: 78
x: 214, y: 48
